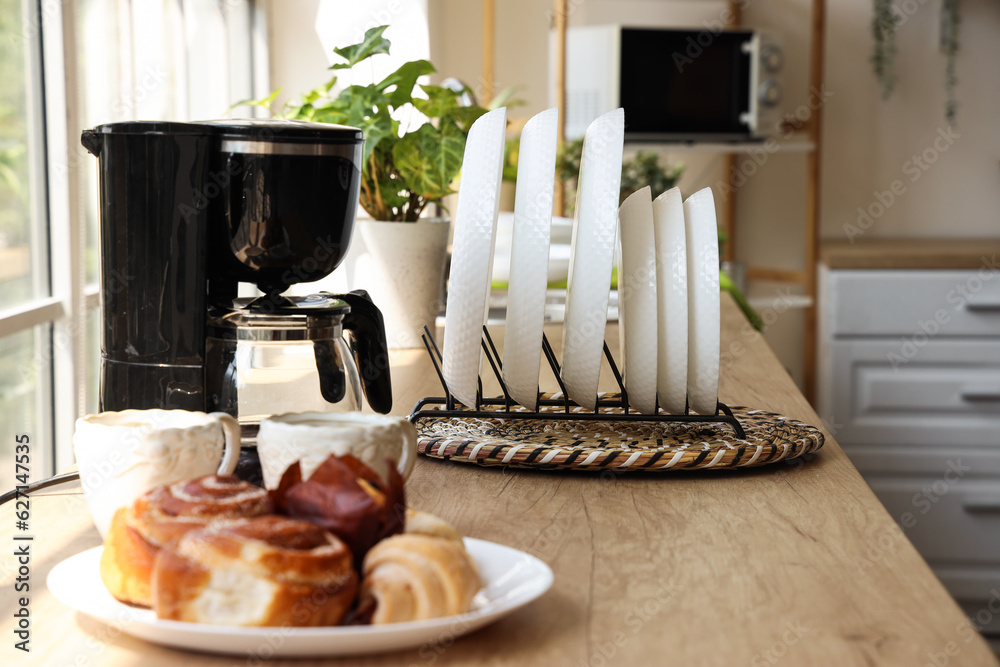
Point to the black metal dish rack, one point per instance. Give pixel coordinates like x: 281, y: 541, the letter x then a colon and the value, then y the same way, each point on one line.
x: 504, y: 406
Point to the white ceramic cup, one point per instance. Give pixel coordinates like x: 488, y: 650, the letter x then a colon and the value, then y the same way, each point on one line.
x: 121, y: 455
x: 310, y: 437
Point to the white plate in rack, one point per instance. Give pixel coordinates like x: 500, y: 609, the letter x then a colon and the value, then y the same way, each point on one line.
x: 591, y: 257
x: 472, y: 255
x: 529, y: 257
x: 511, y: 579
x: 672, y: 301
x: 704, y: 308
x: 637, y: 301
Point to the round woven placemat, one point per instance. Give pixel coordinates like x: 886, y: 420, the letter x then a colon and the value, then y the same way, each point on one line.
x: 621, y: 446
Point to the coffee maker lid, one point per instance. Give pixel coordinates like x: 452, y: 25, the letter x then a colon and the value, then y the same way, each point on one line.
x: 278, y: 130
x: 275, y: 130
x: 149, y: 127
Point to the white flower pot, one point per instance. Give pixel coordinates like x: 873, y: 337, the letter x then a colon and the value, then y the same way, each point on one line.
x: 401, y: 265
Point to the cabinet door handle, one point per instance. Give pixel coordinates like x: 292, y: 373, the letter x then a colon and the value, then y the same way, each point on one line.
x: 982, y: 505
x: 980, y: 395
x: 983, y: 306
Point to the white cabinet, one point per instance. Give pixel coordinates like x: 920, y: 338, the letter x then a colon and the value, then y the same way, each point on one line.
x: 910, y: 385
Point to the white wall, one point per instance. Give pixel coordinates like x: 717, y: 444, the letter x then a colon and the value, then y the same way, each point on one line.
x: 867, y: 142
x: 303, y: 33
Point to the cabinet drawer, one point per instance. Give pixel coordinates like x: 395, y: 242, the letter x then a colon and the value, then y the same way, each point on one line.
x: 948, y: 393
x: 977, y: 590
x: 915, y: 303
x: 954, y: 519
x: 922, y: 461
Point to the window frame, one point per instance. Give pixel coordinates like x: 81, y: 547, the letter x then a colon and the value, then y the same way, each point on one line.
x: 59, y: 224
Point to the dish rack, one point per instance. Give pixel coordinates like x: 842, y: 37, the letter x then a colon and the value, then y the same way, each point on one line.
x: 570, y: 409
x: 559, y: 434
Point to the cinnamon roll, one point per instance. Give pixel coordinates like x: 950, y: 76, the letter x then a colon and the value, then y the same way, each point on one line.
x: 164, y: 514
x: 265, y: 571
x: 414, y: 577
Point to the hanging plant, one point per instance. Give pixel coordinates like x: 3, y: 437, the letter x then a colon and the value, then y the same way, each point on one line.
x: 949, y: 46
x: 884, y: 24
x: 886, y: 20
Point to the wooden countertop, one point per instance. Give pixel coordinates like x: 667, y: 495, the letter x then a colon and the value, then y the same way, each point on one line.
x: 882, y: 253
x: 796, y: 564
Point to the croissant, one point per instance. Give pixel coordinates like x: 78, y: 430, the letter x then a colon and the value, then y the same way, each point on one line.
x: 425, y: 523
x: 265, y: 571
x: 163, y: 514
x: 413, y: 577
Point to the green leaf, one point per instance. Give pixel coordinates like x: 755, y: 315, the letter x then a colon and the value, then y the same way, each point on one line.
x: 466, y: 116
x: 429, y: 159
x: 404, y: 79
x: 727, y: 285
x: 375, y: 130
x: 393, y: 192
x: 9, y: 177
x: 445, y: 104
x: 503, y: 99
x: 263, y: 102
x: 440, y: 101
x: 373, y: 43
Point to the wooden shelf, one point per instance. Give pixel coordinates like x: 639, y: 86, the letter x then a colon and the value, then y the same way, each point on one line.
x: 888, y: 253
x: 788, y: 146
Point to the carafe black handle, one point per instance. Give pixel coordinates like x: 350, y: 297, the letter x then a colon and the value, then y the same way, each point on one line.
x: 368, y: 345
x: 332, y: 383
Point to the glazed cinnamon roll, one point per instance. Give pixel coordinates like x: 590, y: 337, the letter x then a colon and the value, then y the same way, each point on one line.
x: 266, y: 571
x: 164, y: 514
x: 413, y: 577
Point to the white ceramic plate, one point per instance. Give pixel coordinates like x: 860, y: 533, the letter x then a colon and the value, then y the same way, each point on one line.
x: 511, y: 580
x: 561, y: 235
x: 529, y: 257
x: 637, y: 300
x: 472, y: 254
x: 672, y: 301
x: 704, y: 316
x: 591, y: 257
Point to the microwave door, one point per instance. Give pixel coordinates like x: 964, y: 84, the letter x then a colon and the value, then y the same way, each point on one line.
x: 700, y: 87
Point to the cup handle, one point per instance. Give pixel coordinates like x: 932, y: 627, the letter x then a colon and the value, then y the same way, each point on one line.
x: 409, y: 457
x: 231, y: 449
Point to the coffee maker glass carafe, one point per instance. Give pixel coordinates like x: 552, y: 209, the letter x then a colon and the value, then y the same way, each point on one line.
x: 274, y: 363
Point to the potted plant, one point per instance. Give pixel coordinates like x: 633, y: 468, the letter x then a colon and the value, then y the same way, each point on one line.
x: 413, y: 151
x: 642, y: 170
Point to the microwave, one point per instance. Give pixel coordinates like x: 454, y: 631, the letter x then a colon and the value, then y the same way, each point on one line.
x: 675, y: 84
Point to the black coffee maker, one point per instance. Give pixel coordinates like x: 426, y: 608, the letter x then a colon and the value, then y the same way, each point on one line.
x: 189, y: 211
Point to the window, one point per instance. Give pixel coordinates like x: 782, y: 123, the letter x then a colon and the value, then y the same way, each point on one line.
x: 65, y: 67
x: 26, y: 306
